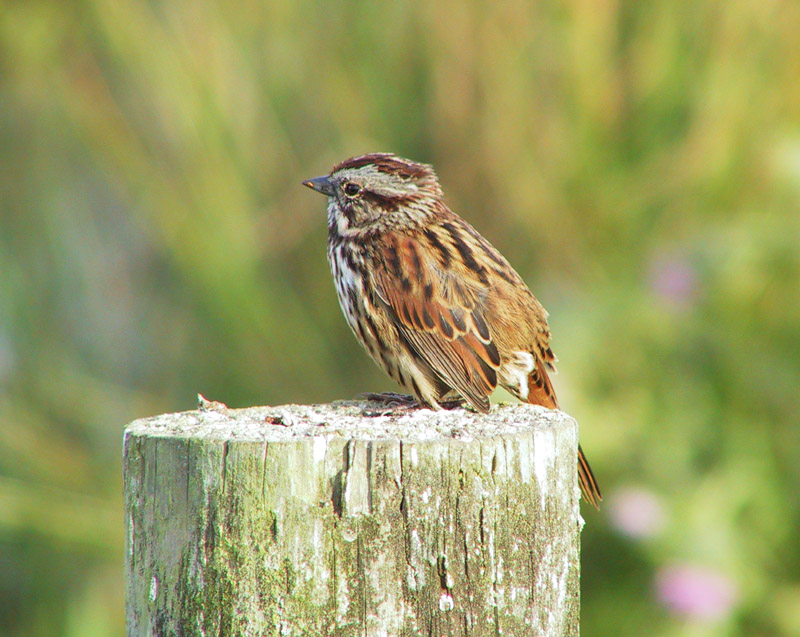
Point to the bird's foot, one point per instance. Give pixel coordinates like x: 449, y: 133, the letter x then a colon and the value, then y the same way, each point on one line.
x: 393, y: 401
x: 454, y: 403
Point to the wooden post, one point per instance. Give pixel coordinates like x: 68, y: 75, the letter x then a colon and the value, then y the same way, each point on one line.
x: 342, y: 520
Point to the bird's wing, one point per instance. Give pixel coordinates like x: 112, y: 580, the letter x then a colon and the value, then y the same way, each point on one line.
x: 437, y: 306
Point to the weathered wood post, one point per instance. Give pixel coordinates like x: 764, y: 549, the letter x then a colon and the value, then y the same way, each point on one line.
x: 335, y: 520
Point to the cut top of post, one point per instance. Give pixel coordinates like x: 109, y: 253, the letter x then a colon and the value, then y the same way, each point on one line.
x: 356, y: 420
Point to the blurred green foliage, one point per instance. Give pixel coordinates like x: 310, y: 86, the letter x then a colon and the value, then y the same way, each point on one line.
x: 639, y: 163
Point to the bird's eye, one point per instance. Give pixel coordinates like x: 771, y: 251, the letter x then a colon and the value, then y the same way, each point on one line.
x: 351, y: 189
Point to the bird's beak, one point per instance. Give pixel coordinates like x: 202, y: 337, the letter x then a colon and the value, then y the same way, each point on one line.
x: 321, y: 184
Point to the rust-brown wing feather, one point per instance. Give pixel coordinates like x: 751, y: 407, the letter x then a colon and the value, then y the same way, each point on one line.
x: 439, y: 314
x: 540, y: 389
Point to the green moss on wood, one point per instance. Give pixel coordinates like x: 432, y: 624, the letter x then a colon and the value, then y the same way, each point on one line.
x: 338, y: 531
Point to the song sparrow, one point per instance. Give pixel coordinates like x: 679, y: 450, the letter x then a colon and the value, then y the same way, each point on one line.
x: 432, y: 301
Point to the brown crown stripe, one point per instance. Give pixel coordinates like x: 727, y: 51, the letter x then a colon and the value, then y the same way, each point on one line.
x: 389, y: 164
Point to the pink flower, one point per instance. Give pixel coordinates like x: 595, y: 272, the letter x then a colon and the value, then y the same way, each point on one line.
x: 637, y: 512
x: 674, y: 279
x: 696, y: 592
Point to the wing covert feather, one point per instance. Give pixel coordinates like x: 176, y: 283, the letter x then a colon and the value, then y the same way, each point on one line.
x: 440, y: 315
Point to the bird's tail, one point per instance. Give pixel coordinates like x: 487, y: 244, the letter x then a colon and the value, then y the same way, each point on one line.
x: 540, y: 392
x: 589, y: 488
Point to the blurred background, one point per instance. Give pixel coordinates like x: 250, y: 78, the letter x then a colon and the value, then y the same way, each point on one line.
x: 638, y: 163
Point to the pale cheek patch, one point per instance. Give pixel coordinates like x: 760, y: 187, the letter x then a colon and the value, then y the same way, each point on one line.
x: 339, y: 221
x: 341, y: 225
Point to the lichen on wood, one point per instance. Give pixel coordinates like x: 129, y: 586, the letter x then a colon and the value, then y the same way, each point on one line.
x: 344, y: 520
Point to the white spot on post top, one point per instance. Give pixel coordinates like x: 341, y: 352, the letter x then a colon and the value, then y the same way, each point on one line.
x: 131, y: 534
x: 411, y: 579
x: 320, y: 448
x: 356, y: 497
x: 416, y: 571
x: 525, y: 460
x: 342, y: 598
x: 544, y: 452
x: 349, y: 532
x: 416, y: 543
x: 316, y: 536
x: 446, y: 602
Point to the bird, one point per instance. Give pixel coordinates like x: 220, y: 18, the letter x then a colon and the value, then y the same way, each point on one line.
x: 434, y: 304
